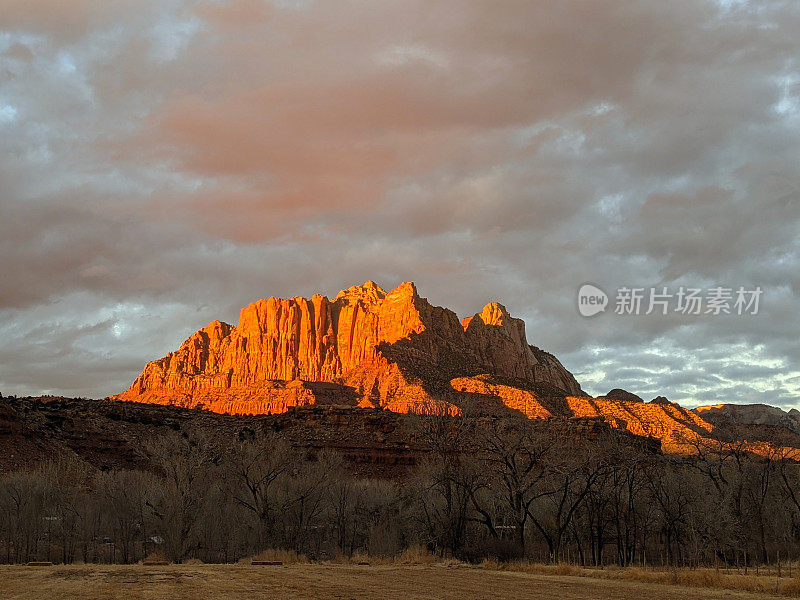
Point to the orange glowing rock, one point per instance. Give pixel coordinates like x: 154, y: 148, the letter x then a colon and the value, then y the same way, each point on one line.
x: 384, y: 349
x: 484, y: 392
x: 677, y: 428
x: 392, y: 350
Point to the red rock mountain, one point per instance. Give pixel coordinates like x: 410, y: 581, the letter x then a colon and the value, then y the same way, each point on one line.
x: 390, y: 350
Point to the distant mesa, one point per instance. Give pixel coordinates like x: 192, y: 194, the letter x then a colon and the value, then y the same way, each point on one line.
x: 395, y: 351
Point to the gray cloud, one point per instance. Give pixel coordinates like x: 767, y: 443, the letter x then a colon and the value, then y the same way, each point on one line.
x: 164, y: 163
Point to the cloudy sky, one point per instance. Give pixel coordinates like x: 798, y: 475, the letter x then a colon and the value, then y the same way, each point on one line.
x: 163, y: 163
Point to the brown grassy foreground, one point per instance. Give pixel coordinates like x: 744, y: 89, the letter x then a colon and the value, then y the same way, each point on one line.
x: 769, y: 581
x: 444, y: 580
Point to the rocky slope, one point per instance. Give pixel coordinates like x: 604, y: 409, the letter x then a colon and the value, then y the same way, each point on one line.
x: 119, y: 435
x: 392, y: 350
x: 677, y: 428
x: 751, y: 414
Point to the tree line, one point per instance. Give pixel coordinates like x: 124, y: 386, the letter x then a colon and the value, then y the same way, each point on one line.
x: 504, y: 488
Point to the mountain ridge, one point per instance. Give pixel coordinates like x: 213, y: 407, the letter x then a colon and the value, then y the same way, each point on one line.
x: 751, y: 414
x: 366, y: 338
x: 392, y: 350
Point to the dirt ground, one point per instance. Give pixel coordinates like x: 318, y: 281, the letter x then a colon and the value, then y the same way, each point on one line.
x: 322, y: 581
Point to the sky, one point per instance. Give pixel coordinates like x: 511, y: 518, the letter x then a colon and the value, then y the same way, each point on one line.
x: 164, y: 163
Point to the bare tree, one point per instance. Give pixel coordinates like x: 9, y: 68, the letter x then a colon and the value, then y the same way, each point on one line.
x: 176, y: 499
x: 303, y: 499
x: 574, y: 467
x: 515, y: 454
x: 251, y: 469
x: 440, y: 496
x: 124, y: 495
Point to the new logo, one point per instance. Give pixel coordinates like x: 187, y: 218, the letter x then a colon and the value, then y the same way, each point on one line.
x: 591, y: 300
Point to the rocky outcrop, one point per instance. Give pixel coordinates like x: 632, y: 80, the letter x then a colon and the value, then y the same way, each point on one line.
x: 751, y: 414
x: 678, y: 428
x: 485, y: 396
x: 620, y: 394
x: 370, y: 348
x: 383, y: 349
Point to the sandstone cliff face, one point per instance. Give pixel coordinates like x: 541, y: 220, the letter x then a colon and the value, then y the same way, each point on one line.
x: 392, y: 350
x: 375, y: 343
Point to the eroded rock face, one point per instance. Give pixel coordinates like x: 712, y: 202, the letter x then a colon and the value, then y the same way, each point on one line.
x: 751, y: 414
x: 678, y: 428
x: 498, y: 340
x: 371, y: 348
x: 380, y: 345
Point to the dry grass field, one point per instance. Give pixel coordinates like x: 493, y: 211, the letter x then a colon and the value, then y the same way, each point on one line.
x: 330, y: 581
